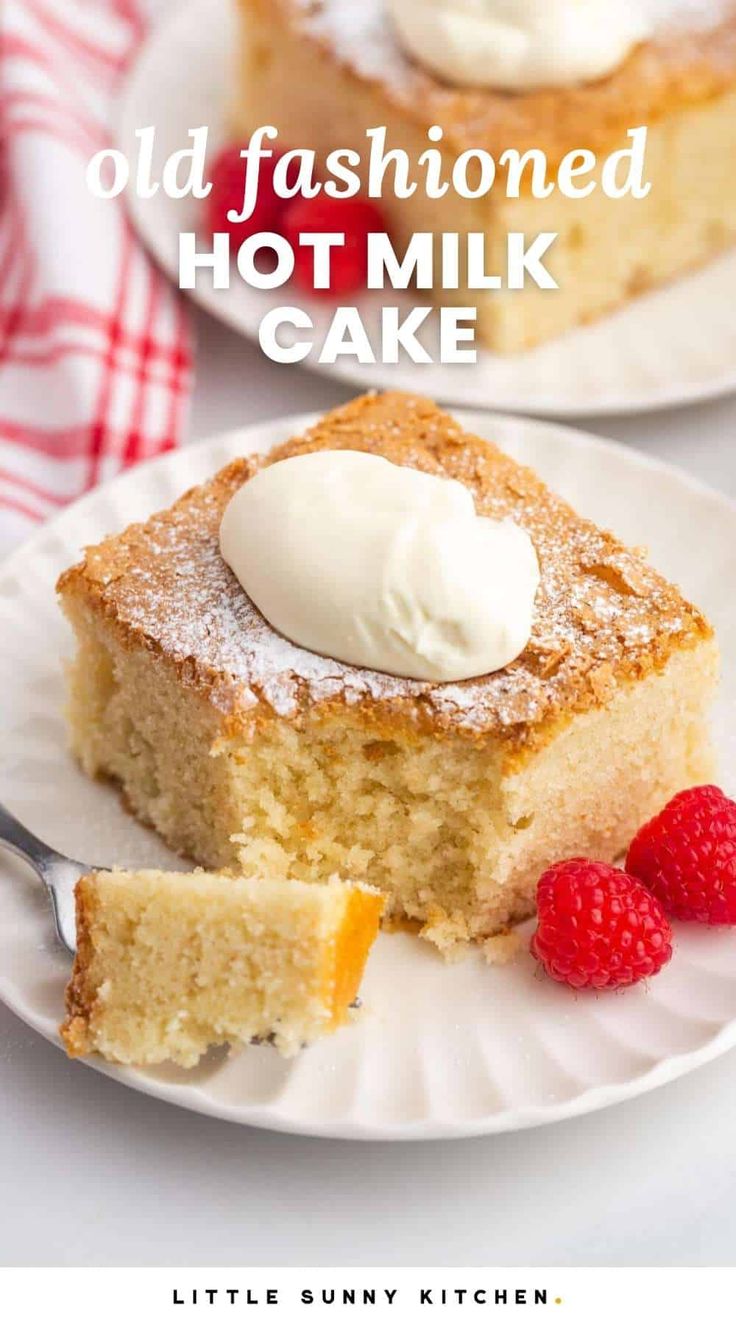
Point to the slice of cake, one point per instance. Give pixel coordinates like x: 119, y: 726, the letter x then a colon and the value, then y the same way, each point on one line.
x: 325, y: 71
x: 168, y: 964
x: 244, y: 750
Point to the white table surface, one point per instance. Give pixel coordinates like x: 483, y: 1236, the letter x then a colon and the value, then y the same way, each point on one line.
x: 94, y: 1174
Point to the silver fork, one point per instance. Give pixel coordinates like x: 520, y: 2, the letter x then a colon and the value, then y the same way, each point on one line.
x: 58, y: 873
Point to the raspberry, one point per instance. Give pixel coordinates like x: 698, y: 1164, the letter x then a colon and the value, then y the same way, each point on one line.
x: 356, y: 218
x: 686, y: 856
x: 228, y: 182
x: 598, y: 927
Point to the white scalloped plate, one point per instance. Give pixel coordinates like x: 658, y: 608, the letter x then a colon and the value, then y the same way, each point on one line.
x: 673, y: 346
x: 441, y: 1050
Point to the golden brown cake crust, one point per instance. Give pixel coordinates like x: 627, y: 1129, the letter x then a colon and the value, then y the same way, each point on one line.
x: 602, y: 617
x: 80, y: 996
x: 670, y: 72
x: 346, y: 961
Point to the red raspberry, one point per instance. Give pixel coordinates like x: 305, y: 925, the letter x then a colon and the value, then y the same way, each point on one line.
x: 228, y: 183
x: 686, y: 856
x: 598, y: 927
x: 356, y: 218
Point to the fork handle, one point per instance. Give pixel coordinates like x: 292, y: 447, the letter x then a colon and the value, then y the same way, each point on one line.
x: 56, y: 872
x: 23, y: 843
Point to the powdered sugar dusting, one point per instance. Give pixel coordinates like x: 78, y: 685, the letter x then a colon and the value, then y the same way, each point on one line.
x: 216, y: 623
x: 691, y: 55
x: 361, y: 32
x: 695, y: 15
x: 601, y: 612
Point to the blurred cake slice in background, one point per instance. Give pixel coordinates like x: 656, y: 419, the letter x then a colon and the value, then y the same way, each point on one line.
x: 324, y: 71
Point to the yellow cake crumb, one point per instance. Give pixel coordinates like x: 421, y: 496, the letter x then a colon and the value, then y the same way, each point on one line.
x: 169, y: 964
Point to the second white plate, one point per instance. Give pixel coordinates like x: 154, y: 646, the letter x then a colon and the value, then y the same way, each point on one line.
x: 673, y: 346
x: 440, y: 1050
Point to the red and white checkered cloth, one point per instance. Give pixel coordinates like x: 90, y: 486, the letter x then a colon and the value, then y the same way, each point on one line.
x: 95, y: 353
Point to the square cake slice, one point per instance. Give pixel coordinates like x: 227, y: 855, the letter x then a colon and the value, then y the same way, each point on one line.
x: 246, y: 751
x: 324, y: 71
x: 168, y: 964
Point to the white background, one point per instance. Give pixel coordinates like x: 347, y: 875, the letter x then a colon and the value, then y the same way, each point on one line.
x: 94, y: 1174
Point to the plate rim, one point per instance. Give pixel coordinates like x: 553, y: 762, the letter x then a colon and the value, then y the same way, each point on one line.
x: 191, y: 1097
x: 473, y: 420
x: 645, y: 402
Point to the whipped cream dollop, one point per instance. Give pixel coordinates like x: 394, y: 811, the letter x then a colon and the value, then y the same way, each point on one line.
x: 517, y: 45
x: 381, y: 566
